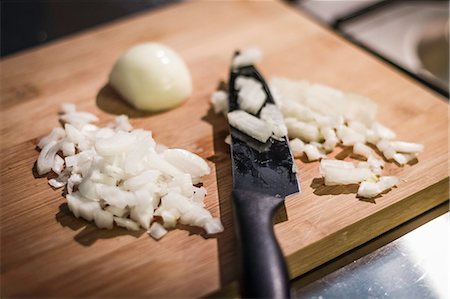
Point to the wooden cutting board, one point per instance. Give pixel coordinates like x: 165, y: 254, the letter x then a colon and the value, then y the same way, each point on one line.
x: 46, y: 252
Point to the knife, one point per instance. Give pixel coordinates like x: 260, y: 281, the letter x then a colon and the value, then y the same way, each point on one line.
x: 263, y: 175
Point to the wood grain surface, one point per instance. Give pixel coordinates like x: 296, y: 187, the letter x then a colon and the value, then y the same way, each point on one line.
x: 46, y: 252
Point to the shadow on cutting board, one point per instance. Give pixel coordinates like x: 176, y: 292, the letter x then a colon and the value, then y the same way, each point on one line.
x: 90, y: 232
x: 109, y: 101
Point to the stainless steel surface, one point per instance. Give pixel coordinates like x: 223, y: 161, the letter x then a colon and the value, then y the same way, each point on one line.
x: 402, y: 34
x: 412, y: 35
x: 414, y: 266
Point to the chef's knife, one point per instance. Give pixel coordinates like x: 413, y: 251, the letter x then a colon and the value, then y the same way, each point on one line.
x: 263, y: 175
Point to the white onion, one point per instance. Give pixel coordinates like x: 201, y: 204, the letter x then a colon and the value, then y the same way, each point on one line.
x: 151, y: 76
x: 346, y: 176
x: 318, y: 118
x: 407, y: 147
x: 249, y: 56
x: 103, y: 219
x: 297, y: 147
x: 362, y: 150
x: 219, y: 100
x: 56, y: 135
x: 372, y: 189
x: 126, y: 223
x: 47, y: 156
x: 187, y: 162
x: 120, y: 176
x: 305, y: 131
x: 274, y: 119
x: 251, y: 95
x: 312, y: 152
x: 250, y: 125
x: 157, y: 231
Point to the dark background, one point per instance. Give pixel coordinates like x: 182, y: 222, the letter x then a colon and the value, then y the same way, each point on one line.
x: 27, y: 23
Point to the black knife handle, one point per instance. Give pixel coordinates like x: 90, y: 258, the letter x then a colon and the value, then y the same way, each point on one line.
x: 264, y: 271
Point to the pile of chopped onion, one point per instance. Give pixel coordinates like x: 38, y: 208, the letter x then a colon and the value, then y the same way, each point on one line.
x: 118, y: 174
x: 318, y: 119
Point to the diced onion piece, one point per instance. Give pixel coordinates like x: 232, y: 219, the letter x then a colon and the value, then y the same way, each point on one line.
x: 68, y: 148
x: 103, y: 219
x: 312, y: 152
x: 228, y: 139
x: 297, y: 111
x: 369, y: 189
x: 47, y: 156
x: 297, y: 147
x: 305, y: 131
x: 403, y: 159
x: 387, y: 182
x: 126, y: 223
x: 120, y: 142
x: 55, y: 183
x: 55, y: 135
x: 362, y: 150
x: 249, y: 56
x: 213, y: 226
x: 383, y: 132
x: 68, y: 108
x: 219, y: 100
x: 117, y: 211
x: 326, y: 163
x: 385, y: 147
x: 251, y: 95
x: 407, y: 147
x: 273, y: 117
x: 360, y: 108
x: 250, y: 125
x: 157, y: 231
x: 187, y: 162
x: 350, y: 136
x: 58, y: 165
x: 184, y: 183
x: 199, y: 195
x: 147, y: 177
x: 115, y: 196
x: 346, y: 176
x: 121, y: 123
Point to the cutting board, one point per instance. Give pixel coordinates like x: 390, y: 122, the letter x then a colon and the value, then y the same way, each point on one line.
x: 46, y: 252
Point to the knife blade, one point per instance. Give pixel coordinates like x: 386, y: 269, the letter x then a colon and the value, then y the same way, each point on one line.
x: 263, y: 175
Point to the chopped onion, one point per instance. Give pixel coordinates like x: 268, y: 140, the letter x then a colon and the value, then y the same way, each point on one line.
x: 187, y: 162
x: 56, y: 135
x: 247, y: 57
x: 297, y: 147
x: 157, y: 231
x: 318, y: 118
x: 406, y: 147
x: 312, y: 152
x: 372, y: 189
x: 362, y: 150
x: 251, y: 95
x: 126, y: 223
x: 274, y: 119
x: 403, y: 159
x: 346, y: 176
x: 119, y: 175
x: 305, y: 131
x: 250, y: 125
x: 219, y: 100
